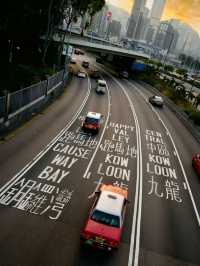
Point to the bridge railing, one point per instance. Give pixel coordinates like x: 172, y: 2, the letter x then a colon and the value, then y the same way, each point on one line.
x: 89, y: 38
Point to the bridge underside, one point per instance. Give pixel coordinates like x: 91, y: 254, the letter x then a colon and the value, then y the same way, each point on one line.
x: 98, y: 46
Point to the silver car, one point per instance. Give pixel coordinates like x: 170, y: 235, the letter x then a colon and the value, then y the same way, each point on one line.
x: 101, y: 86
x: 81, y: 74
x: 156, y: 100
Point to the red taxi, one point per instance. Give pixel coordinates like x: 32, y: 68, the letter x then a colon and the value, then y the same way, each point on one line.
x: 196, y: 163
x: 92, y: 122
x: 103, y: 228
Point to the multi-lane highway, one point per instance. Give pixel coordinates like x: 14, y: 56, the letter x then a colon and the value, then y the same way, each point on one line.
x: 50, y: 170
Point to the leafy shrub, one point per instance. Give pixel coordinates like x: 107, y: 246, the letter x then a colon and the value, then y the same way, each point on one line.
x: 194, y: 115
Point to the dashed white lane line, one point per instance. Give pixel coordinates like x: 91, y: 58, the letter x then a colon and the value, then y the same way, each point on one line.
x: 102, y: 134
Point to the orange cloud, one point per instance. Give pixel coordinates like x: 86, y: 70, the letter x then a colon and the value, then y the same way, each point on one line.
x: 187, y: 11
x: 125, y: 4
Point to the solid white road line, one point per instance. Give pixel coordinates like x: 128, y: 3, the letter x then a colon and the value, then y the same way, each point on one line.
x: 135, y: 231
x: 180, y: 162
x: 48, y: 147
x: 102, y: 134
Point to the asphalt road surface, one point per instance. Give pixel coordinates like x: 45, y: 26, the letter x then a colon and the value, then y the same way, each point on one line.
x: 50, y: 169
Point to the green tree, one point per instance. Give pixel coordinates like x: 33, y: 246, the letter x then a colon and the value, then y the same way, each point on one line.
x: 169, y: 68
x: 181, y: 71
x: 182, y: 57
x: 197, y: 101
x: 190, y: 95
x: 24, y: 22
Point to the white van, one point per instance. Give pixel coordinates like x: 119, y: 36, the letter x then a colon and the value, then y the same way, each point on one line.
x: 101, y: 86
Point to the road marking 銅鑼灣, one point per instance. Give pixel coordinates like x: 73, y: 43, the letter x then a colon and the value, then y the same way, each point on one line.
x: 28, y: 166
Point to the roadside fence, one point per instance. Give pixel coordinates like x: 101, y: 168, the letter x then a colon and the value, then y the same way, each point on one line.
x: 19, y: 106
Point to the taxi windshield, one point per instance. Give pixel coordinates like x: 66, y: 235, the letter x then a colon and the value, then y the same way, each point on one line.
x: 105, y: 218
x: 90, y: 120
x: 102, y: 85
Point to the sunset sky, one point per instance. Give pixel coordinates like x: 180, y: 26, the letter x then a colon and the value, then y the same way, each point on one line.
x: 187, y: 11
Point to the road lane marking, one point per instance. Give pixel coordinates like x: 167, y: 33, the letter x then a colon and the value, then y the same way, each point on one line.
x: 105, y: 126
x: 135, y: 230
x: 97, y: 188
x: 88, y: 175
x: 184, y: 185
x: 48, y: 147
x: 180, y: 162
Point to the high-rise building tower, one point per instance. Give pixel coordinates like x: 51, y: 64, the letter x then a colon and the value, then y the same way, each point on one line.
x: 134, y: 31
x: 100, y: 23
x: 166, y: 37
x: 155, y: 17
x: 157, y: 11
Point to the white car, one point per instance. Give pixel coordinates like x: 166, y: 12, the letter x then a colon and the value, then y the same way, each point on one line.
x: 81, y: 74
x: 73, y: 61
x: 101, y: 86
x: 156, y: 100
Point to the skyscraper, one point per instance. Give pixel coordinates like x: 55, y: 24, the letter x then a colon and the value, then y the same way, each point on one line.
x: 99, y: 22
x: 157, y: 11
x: 188, y: 41
x: 114, y: 29
x: 134, y: 31
x: 166, y: 37
x: 155, y: 16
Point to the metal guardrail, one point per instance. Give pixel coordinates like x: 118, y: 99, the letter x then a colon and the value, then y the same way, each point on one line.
x: 19, y: 101
x: 2, y: 107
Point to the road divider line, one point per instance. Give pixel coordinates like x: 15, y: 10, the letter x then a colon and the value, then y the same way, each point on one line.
x: 48, y: 146
x: 102, y: 134
x: 135, y: 230
x: 137, y: 246
x: 183, y: 171
x: 180, y: 162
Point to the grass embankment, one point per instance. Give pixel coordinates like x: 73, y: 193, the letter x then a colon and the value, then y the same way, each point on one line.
x: 178, y: 96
